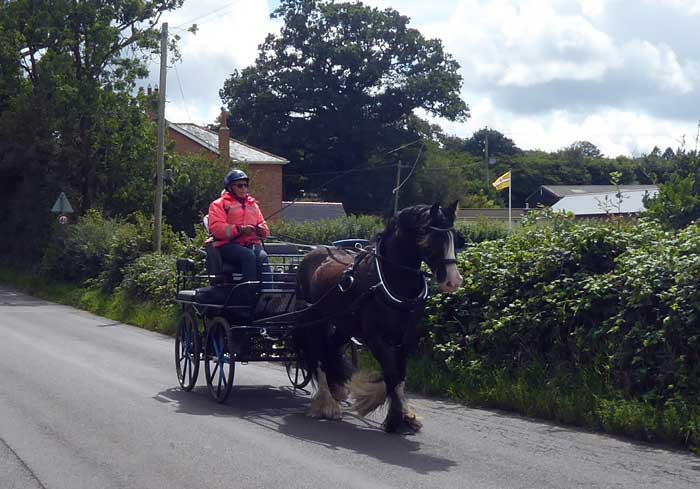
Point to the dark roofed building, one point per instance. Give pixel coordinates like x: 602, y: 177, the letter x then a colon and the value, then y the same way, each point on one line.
x: 548, y: 195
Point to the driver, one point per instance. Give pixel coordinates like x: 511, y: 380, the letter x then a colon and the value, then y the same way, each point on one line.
x: 238, y: 227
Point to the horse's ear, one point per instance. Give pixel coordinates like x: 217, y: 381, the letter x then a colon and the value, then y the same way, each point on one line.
x: 434, y: 210
x: 451, y: 210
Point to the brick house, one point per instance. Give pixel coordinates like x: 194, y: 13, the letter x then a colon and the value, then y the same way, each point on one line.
x: 265, y: 168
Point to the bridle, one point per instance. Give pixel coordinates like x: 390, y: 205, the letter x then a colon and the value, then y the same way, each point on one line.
x: 445, y: 261
x: 412, y: 302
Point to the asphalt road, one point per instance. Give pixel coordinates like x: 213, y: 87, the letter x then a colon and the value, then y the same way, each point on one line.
x: 86, y: 402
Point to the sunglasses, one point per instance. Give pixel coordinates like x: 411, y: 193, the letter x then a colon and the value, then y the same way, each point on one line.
x: 240, y: 185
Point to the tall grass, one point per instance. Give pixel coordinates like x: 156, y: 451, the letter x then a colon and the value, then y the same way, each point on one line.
x: 117, y: 306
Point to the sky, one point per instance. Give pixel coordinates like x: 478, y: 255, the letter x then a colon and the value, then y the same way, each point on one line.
x: 622, y: 74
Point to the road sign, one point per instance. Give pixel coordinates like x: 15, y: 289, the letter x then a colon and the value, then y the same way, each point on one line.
x: 62, y: 206
x: 63, y: 219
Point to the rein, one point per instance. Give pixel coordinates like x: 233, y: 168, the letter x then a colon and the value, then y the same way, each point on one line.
x: 346, y: 281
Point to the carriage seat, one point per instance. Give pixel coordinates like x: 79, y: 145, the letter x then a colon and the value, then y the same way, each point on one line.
x: 216, y: 266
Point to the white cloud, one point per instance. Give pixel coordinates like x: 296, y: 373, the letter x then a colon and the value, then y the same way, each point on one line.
x: 593, y: 8
x: 621, y: 74
x: 225, y: 40
x: 659, y: 63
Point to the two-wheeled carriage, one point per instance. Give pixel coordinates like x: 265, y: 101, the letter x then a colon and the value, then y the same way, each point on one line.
x: 226, y: 321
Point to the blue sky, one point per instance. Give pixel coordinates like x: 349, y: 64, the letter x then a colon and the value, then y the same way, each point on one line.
x: 622, y: 74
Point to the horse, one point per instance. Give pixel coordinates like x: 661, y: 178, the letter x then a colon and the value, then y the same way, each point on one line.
x: 376, y: 295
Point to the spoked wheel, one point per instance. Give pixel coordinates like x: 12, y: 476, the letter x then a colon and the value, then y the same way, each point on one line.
x: 187, y: 349
x: 219, y: 364
x: 298, y: 375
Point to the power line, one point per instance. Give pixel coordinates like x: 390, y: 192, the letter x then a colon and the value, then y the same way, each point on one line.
x: 208, y: 14
x: 365, y: 168
x: 415, y: 163
x: 182, y: 93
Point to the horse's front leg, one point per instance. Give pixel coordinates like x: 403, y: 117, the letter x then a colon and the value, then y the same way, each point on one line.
x: 400, y: 416
x: 324, y: 404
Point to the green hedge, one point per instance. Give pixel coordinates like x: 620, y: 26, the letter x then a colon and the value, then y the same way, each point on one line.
x: 615, y: 302
x: 365, y: 227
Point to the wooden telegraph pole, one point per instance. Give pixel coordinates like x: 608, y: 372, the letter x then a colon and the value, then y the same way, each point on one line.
x: 486, y: 157
x: 161, y: 138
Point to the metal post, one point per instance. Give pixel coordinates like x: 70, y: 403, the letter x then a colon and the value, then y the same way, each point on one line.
x: 396, y: 189
x: 161, y: 138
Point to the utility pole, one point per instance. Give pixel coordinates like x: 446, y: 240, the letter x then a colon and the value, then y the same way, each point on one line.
x: 158, y: 218
x: 486, y: 158
x: 396, y: 189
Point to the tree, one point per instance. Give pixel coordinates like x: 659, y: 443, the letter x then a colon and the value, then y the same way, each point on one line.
x: 678, y: 201
x: 198, y: 181
x: 499, y: 144
x: 68, y: 119
x: 586, y: 148
x: 335, y: 91
x: 79, y: 61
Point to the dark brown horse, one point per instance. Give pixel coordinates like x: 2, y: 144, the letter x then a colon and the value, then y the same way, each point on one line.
x: 376, y: 295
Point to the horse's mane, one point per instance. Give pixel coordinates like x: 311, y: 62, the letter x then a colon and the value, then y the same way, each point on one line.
x: 414, y: 217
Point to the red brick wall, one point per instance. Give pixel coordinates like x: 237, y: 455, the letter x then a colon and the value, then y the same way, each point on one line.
x: 266, y: 180
x: 266, y: 187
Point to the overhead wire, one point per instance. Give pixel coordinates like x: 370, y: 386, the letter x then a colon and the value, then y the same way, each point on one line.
x: 182, y: 94
x: 207, y: 14
x: 415, y: 163
x: 346, y: 172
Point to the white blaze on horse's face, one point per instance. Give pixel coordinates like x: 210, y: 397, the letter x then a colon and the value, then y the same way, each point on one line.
x: 453, y: 279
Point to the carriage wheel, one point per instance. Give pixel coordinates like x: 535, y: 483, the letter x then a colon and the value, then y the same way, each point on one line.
x: 187, y: 349
x: 298, y: 374
x: 219, y: 364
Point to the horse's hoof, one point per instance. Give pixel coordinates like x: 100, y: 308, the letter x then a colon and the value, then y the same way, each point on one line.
x: 412, y: 421
x: 406, y: 423
x: 325, y: 410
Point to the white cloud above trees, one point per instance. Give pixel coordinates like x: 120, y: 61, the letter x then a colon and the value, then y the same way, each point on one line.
x: 624, y: 75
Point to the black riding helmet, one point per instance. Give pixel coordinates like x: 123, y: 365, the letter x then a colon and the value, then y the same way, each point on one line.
x: 234, y: 176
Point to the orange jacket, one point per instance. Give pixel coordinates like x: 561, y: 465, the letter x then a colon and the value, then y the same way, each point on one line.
x: 227, y: 213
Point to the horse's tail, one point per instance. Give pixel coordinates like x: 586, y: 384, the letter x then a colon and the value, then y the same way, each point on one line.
x: 369, y: 390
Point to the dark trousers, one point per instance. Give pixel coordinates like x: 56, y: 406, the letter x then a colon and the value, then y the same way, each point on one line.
x: 253, y: 260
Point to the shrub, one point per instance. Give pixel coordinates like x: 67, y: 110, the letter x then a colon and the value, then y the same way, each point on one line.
x: 623, y: 302
x: 77, y: 252
x: 151, y: 278
x: 327, y: 231
x: 95, y: 250
x: 131, y: 239
x: 365, y: 227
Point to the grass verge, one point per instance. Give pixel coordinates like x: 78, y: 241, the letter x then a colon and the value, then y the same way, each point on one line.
x: 579, y: 399
x: 117, y: 306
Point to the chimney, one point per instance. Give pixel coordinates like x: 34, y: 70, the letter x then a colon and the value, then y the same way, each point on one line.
x: 224, y: 136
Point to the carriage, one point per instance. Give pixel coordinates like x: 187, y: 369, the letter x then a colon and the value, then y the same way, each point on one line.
x: 225, y: 321
x: 309, y: 307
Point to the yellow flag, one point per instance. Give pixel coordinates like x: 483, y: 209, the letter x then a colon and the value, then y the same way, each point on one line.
x: 502, y: 182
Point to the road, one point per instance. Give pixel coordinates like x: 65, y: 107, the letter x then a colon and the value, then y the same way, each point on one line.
x: 86, y: 402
